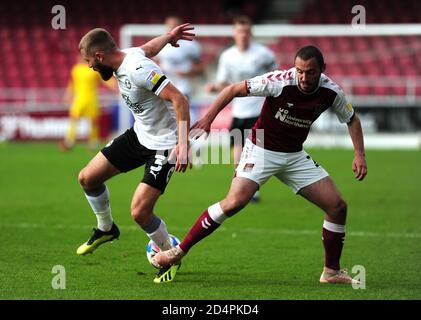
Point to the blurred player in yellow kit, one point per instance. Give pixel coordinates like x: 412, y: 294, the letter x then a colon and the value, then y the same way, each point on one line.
x: 82, y: 94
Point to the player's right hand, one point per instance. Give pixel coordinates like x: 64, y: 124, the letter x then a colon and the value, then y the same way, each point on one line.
x: 359, y: 166
x: 200, y: 128
x: 181, y: 32
x: 183, y: 156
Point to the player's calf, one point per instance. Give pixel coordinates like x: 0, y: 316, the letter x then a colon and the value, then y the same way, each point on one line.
x: 234, y: 204
x: 142, y: 214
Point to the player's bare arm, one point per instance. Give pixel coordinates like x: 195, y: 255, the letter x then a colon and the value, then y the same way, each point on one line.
x: 181, y: 107
x: 181, y: 32
x: 216, y: 87
x: 359, y: 165
x: 222, y: 100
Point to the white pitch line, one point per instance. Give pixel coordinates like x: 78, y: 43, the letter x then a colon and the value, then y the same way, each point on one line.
x: 410, y: 235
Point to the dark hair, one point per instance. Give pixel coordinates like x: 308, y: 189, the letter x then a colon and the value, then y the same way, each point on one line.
x: 97, y: 39
x: 308, y: 52
x: 242, y: 20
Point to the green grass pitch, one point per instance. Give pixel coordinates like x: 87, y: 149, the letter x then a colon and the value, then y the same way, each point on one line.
x: 270, y: 250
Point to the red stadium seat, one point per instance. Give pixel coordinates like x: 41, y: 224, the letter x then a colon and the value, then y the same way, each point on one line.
x: 28, y: 41
x: 362, y: 90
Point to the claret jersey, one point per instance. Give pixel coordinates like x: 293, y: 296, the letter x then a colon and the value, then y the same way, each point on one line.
x: 288, y: 113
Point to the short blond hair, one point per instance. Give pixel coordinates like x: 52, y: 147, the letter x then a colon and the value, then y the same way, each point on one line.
x: 97, y: 39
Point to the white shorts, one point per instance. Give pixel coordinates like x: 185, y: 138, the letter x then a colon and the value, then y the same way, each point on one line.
x: 295, y: 169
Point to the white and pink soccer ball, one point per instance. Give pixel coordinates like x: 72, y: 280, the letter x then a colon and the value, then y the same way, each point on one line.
x: 152, y: 249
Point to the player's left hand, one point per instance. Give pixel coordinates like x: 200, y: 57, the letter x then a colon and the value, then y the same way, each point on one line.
x: 181, y: 33
x: 359, y: 166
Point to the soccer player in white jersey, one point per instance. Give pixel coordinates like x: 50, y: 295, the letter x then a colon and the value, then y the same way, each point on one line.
x: 294, y: 100
x: 244, y: 60
x: 180, y: 64
x: 161, y: 113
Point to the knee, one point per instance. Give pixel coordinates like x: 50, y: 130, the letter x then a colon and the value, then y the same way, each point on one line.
x: 234, y: 204
x: 85, y: 180
x: 340, y: 209
x: 141, y: 212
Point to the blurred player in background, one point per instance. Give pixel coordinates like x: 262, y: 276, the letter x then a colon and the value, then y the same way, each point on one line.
x: 180, y: 64
x: 83, y: 96
x: 295, y: 98
x: 244, y: 60
x: 160, y: 129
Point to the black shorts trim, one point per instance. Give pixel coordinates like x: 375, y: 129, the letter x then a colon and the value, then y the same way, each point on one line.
x: 126, y: 153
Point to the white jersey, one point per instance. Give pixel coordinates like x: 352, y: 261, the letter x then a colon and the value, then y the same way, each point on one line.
x: 140, y: 81
x: 235, y: 66
x: 173, y: 60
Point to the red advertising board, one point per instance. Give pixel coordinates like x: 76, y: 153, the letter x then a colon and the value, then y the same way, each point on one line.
x: 48, y: 125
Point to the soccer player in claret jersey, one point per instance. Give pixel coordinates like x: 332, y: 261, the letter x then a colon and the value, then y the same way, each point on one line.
x: 161, y: 114
x: 294, y: 100
x: 245, y: 59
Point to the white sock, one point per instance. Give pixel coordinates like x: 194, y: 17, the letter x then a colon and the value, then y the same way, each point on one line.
x: 333, y: 227
x: 160, y: 236
x: 100, y: 204
x: 216, y: 213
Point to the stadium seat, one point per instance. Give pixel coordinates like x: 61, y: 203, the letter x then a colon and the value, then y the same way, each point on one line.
x: 45, y: 56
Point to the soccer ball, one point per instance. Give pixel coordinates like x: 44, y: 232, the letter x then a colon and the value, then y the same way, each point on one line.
x: 152, y: 249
